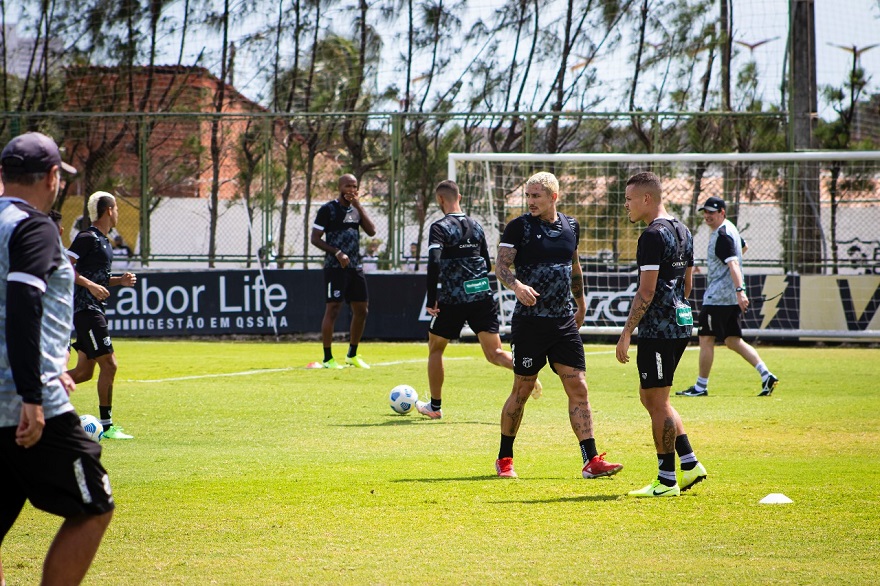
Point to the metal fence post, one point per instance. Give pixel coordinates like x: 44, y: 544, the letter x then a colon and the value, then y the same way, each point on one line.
x: 145, y: 192
x: 394, y: 252
x: 268, y: 200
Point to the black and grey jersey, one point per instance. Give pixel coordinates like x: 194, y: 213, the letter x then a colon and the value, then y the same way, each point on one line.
x: 543, y: 261
x: 36, y: 312
x: 341, y: 227
x: 670, y: 253
x: 458, y: 261
x: 94, y: 258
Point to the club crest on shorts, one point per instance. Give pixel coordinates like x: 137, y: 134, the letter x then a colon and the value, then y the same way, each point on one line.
x: 527, y: 362
x: 106, y: 341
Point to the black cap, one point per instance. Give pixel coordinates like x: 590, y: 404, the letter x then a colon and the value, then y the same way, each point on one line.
x: 33, y: 152
x: 714, y: 204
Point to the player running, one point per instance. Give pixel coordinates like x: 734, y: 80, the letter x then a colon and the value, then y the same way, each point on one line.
x: 92, y: 254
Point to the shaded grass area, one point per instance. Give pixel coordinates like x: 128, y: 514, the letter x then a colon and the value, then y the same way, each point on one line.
x: 291, y: 476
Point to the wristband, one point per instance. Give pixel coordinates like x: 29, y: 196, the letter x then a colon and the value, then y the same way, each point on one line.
x: 738, y: 289
x: 337, y: 252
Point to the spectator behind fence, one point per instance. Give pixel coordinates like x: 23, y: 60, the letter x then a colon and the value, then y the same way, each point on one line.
x: 122, y: 254
x: 371, y: 256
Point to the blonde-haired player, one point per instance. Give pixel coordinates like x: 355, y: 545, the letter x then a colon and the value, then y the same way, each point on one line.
x: 542, y: 245
x: 92, y: 255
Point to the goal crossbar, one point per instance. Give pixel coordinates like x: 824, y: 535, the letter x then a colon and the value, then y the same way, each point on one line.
x: 659, y: 157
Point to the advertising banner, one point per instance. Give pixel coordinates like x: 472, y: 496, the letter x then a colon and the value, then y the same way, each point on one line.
x: 244, y: 302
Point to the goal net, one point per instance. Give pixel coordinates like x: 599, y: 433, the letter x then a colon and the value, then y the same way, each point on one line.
x: 810, y: 221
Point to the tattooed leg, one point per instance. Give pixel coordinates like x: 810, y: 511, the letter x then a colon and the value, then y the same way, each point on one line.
x: 579, y: 412
x: 512, y: 413
x: 666, y: 423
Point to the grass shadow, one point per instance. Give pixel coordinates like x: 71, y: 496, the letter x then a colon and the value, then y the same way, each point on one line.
x: 562, y: 499
x: 395, y: 420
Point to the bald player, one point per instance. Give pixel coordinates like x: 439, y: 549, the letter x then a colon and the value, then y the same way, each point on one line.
x: 336, y: 231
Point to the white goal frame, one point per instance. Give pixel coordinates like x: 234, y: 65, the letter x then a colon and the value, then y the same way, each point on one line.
x: 606, y: 158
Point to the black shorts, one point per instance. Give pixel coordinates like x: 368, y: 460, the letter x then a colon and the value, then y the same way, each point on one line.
x: 657, y: 360
x: 349, y: 285
x: 481, y: 316
x: 92, y: 334
x: 720, y: 321
x: 536, y: 341
x: 62, y: 474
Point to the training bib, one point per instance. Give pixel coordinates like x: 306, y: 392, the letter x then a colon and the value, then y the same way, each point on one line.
x: 476, y: 285
x: 684, y: 316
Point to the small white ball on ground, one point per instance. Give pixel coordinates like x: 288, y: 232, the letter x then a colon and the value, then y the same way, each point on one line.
x: 403, y: 398
x: 92, y: 427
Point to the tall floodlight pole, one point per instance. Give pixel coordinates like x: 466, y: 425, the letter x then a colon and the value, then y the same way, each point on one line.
x: 802, y: 211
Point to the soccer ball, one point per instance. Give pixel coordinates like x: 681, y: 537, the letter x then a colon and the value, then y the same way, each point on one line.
x: 92, y: 427
x: 403, y: 398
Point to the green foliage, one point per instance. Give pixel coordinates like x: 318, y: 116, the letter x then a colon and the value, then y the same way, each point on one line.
x: 248, y: 468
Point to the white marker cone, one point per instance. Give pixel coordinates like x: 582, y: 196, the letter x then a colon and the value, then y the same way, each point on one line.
x: 776, y: 498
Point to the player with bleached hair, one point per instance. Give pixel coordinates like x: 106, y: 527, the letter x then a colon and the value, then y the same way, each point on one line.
x: 92, y: 254
x: 542, y: 246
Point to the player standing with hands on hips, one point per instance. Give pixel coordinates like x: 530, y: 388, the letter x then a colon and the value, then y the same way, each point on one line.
x: 724, y: 302
x: 336, y: 232
x: 45, y: 456
x: 458, y: 291
x: 665, y: 256
x: 543, y: 247
x: 92, y: 254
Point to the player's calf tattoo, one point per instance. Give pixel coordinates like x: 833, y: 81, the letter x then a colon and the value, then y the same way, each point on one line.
x: 668, y: 435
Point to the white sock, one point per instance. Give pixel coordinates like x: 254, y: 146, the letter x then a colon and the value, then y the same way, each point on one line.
x: 702, y: 383
x: 762, y: 370
x: 688, y: 458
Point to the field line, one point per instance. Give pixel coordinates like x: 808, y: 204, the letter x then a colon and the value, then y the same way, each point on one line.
x: 217, y: 375
x: 271, y: 370
x: 289, y: 368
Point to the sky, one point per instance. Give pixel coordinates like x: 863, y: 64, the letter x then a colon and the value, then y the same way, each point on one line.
x: 838, y: 22
x: 848, y: 23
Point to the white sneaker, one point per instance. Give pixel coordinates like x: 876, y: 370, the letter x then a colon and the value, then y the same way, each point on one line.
x: 426, y: 410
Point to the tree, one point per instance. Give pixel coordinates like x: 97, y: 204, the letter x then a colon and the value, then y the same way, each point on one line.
x: 426, y: 140
x: 365, y: 149
x: 837, y: 135
x: 252, y: 149
x: 216, y: 138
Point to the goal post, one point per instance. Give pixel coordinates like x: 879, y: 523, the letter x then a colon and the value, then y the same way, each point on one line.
x: 810, y: 220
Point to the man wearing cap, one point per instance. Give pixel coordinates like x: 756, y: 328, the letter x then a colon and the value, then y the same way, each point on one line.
x: 92, y: 255
x: 45, y: 456
x: 724, y: 301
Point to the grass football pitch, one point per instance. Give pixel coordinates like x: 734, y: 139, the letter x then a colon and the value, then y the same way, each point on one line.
x: 248, y: 468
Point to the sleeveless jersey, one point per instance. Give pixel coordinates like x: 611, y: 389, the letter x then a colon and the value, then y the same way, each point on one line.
x: 543, y: 261
x: 668, y: 247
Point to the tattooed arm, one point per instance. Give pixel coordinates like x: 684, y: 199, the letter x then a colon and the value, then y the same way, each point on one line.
x: 577, y: 289
x: 524, y: 294
x: 640, y: 304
